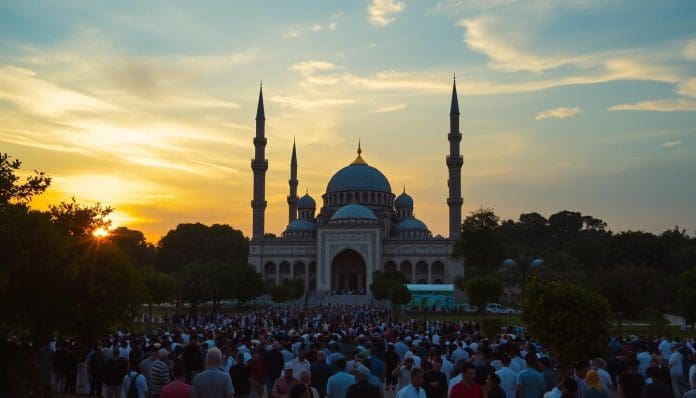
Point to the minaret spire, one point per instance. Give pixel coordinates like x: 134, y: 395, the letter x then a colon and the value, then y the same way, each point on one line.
x: 259, y: 165
x: 454, y: 163
x: 292, y: 197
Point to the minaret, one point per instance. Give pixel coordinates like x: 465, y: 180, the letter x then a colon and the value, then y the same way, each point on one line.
x: 292, y: 198
x: 454, y: 165
x: 259, y: 164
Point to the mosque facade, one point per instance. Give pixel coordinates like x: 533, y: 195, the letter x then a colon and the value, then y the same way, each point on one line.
x: 361, y: 226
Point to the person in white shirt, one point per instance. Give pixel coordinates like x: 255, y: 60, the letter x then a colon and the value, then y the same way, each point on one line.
x: 665, y: 348
x: 676, y: 371
x: 644, y: 359
x: 299, y: 364
x: 413, y: 389
x: 508, y: 377
x: 692, y: 377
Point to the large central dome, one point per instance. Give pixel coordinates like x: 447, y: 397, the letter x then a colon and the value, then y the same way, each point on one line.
x: 358, y: 176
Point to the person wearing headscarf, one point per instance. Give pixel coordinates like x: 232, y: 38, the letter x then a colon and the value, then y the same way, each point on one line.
x: 594, y: 387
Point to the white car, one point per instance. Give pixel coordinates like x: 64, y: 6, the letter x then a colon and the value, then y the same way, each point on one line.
x: 495, y: 308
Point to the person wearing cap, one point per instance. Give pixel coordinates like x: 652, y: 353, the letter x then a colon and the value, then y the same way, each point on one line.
x: 413, y: 388
x: 212, y: 382
x: 282, y: 386
x: 363, y: 388
x: 159, y: 376
x: 338, y: 384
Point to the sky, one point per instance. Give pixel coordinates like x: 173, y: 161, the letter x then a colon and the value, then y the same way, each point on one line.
x: 149, y: 107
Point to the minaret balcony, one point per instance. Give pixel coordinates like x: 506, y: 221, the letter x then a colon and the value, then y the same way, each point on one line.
x: 260, y: 141
x: 454, y: 136
x: 259, y: 164
x: 454, y: 161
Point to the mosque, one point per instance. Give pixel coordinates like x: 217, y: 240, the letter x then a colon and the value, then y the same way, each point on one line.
x: 361, y: 227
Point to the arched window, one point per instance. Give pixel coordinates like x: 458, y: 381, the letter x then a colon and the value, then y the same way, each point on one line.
x: 406, y: 271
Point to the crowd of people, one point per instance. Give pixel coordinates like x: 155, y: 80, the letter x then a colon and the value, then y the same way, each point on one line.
x: 354, y: 352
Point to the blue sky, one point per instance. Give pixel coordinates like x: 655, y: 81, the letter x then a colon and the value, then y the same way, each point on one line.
x: 148, y: 106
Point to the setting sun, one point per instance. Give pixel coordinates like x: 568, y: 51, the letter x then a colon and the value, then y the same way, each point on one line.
x: 100, y: 232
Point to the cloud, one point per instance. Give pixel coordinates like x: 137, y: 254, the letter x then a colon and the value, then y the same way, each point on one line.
x: 25, y: 89
x: 308, y: 68
x: 670, y: 144
x: 687, y: 87
x: 665, y: 105
x: 380, y: 12
x: 558, y: 113
x: 391, y: 108
x: 304, y: 103
x: 294, y: 33
x: 689, y: 51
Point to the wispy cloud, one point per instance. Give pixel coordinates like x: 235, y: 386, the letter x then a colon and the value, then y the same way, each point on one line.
x: 27, y: 90
x: 306, y: 103
x: 558, y: 113
x: 380, y: 12
x: 664, y: 105
x: 671, y: 144
x: 687, y: 87
x: 308, y: 68
x: 391, y: 108
x: 689, y: 51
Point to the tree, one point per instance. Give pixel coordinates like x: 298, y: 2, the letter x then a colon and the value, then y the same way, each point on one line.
x: 482, y: 290
x: 686, y: 296
x: 564, y: 225
x: 200, y: 243
x: 295, y: 288
x: 480, y: 242
x: 573, y: 323
x: 390, y: 285
x: 629, y: 289
x: 249, y: 283
x: 110, y: 291
x: 80, y: 221
x: 192, y: 283
x: 160, y: 286
x: 133, y: 244
x: 10, y: 189
x: 280, y: 293
x: 533, y: 231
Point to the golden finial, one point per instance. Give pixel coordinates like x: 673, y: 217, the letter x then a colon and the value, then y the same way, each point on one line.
x: 404, y: 188
x: 359, y: 159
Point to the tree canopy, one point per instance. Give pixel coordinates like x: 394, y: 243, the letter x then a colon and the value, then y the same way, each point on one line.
x: 572, y: 322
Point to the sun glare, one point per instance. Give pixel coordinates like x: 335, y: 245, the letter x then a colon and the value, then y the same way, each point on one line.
x: 100, y: 232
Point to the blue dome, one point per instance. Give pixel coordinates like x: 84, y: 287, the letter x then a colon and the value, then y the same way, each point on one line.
x: 306, y: 202
x: 404, y: 201
x: 354, y: 211
x: 358, y: 177
x: 300, y: 225
x: 411, y: 224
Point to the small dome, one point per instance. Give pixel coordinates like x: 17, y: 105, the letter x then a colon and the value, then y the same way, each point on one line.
x: 411, y: 224
x: 306, y: 202
x: 300, y: 225
x: 403, y: 201
x: 354, y: 211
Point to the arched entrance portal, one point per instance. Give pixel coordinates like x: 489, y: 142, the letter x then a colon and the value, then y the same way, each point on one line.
x: 348, y: 273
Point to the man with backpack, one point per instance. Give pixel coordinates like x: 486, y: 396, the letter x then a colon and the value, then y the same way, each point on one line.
x: 134, y: 384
